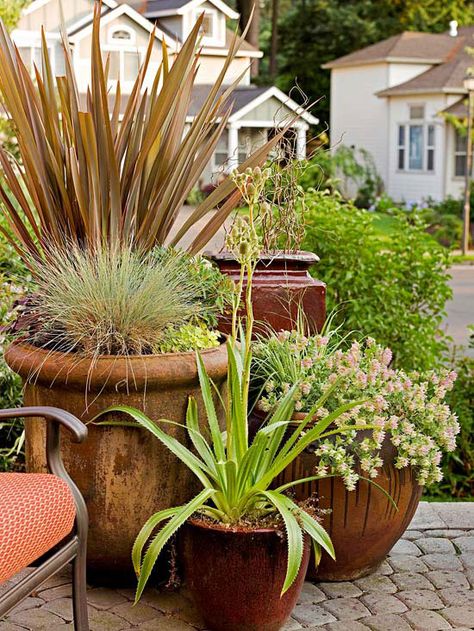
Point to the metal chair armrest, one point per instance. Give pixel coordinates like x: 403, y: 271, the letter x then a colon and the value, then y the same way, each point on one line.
x: 55, y: 418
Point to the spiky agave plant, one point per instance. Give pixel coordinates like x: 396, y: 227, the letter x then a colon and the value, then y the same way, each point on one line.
x: 238, y: 476
x: 92, y: 176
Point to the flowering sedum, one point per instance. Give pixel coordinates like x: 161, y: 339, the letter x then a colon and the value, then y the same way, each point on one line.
x: 409, y: 410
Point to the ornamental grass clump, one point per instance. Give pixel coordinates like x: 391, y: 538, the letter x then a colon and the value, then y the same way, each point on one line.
x: 120, y: 302
x: 408, y: 409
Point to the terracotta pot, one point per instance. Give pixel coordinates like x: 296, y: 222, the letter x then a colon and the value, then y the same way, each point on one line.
x: 363, y: 524
x: 235, y: 576
x: 281, y: 284
x: 124, y: 473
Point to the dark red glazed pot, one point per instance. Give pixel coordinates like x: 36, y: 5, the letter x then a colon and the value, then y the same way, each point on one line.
x: 235, y: 576
x: 281, y: 284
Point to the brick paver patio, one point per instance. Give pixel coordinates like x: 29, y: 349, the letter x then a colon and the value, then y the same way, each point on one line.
x: 426, y: 584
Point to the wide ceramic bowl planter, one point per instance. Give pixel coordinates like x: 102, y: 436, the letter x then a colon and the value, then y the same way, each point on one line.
x: 281, y: 286
x: 124, y: 473
x: 235, y: 576
x: 363, y: 524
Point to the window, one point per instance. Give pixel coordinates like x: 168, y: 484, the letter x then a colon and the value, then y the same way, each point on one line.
x: 460, y: 149
x: 31, y: 56
x: 209, y: 27
x: 416, y: 142
x: 121, y: 34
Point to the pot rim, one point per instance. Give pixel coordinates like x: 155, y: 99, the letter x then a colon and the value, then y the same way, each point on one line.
x: 235, y: 530
x: 299, y: 256
x: 107, y: 372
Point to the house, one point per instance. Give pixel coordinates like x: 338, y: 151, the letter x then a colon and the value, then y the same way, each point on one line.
x: 125, y: 31
x: 397, y: 99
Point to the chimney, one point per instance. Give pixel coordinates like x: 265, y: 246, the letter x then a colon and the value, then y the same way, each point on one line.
x: 453, y: 28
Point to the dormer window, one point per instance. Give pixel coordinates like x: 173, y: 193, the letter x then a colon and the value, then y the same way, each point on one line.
x: 122, y: 35
x: 210, y: 25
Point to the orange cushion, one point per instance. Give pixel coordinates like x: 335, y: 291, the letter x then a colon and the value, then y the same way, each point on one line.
x: 36, y: 512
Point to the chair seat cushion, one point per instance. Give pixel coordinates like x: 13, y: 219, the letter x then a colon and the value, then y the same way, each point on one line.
x: 37, y: 511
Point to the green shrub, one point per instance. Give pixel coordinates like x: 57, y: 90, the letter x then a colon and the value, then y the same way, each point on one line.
x: 393, y: 289
x: 349, y: 171
x: 458, y: 467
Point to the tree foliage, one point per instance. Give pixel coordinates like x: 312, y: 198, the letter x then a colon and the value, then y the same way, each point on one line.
x: 10, y: 11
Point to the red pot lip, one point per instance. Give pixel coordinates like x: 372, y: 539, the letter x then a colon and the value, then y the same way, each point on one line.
x: 235, y: 530
x: 299, y: 256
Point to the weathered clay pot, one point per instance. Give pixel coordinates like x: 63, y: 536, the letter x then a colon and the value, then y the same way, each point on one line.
x: 363, y: 524
x: 235, y: 576
x: 281, y: 284
x: 124, y: 473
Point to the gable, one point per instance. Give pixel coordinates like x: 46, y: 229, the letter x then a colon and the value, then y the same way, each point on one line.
x: 47, y: 13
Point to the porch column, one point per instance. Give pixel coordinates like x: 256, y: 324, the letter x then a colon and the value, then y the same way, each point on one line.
x: 300, y: 143
x: 232, y: 147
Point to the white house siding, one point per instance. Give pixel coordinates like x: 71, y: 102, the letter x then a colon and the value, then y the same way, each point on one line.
x: 358, y: 117
x: 413, y: 186
x: 48, y: 15
x: 211, y: 65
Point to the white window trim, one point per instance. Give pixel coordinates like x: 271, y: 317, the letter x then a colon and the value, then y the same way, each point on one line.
x: 122, y: 49
x: 424, y: 124
x: 122, y: 42
x: 216, y: 39
x: 457, y: 153
x: 37, y: 46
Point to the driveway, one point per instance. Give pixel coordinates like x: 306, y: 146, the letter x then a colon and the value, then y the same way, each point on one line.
x: 461, y: 308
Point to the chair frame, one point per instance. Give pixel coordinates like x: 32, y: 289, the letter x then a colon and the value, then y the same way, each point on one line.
x: 75, y: 548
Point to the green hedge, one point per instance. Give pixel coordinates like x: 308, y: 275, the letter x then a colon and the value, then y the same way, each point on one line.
x: 392, y: 286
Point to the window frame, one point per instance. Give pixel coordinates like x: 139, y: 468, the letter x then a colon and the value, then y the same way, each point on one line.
x: 460, y: 153
x: 215, y: 38
x: 122, y: 50
x: 427, y: 148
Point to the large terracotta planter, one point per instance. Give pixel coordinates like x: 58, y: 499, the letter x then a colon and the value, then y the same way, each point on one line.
x: 281, y: 285
x: 124, y: 473
x: 235, y: 576
x: 363, y: 524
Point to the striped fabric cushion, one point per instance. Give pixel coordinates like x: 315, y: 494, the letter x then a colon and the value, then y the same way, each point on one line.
x: 37, y: 511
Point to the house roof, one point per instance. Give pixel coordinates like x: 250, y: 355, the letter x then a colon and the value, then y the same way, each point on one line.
x: 457, y: 109
x: 243, y: 99
x: 157, y: 8
x: 446, y: 76
x: 246, y: 98
x: 407, y: 47
x: 245, y: 50
x: 123, y: 9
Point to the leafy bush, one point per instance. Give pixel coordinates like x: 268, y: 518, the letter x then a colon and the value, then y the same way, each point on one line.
x: 392, y: 289
x: 458, y: 467
x: 351, y: 172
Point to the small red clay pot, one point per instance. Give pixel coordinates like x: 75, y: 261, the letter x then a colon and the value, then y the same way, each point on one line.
x: 235, y: 576
x: 281, y: 285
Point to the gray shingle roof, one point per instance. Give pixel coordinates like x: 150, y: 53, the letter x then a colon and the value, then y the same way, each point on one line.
x: 242, y: 96
x: 458, y: 109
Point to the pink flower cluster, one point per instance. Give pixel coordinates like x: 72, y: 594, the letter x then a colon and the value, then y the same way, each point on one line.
x: 409, y: 410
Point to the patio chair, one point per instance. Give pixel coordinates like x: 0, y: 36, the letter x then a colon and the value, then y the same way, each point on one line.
x: 43, y: 519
